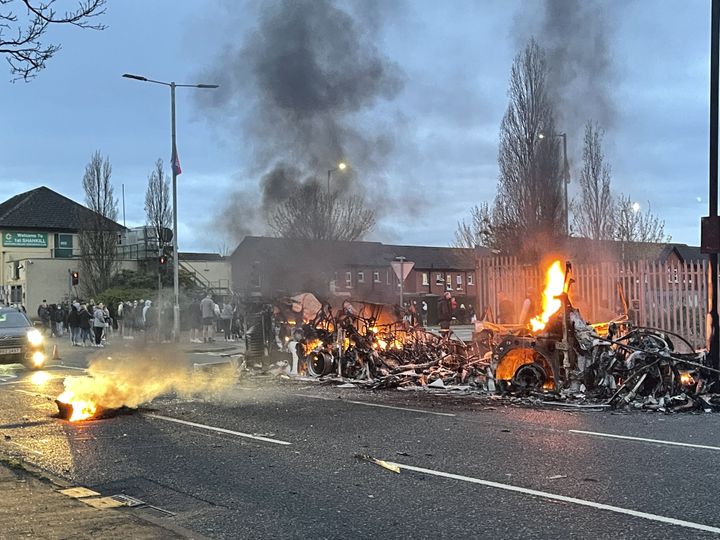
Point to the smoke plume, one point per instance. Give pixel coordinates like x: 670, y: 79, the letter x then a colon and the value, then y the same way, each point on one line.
x: 575, y: 35
x: 133, y: 380
x: 297, y: 89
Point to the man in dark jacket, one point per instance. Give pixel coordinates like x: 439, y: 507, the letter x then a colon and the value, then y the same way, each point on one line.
x: 74, y: 324
x: 445, y: 313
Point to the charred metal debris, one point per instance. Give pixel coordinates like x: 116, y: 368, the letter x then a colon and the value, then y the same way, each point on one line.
x: 610, y: 365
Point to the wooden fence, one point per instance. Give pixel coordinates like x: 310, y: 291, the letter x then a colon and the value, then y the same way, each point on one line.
x: 670, y: 296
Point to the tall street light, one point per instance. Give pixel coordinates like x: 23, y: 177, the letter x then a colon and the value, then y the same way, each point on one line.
x: 566, y: 176
x: 175, y: 171
x: 340, y: 167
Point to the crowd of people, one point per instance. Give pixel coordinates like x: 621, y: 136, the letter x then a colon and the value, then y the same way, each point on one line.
x: 92, y: 323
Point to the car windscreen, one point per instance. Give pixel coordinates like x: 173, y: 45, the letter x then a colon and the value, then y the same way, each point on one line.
x: 13, y: 320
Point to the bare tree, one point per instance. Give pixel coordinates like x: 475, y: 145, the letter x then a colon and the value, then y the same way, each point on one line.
x: 312, y: 213
x: 478, y: 232
x: 634, y: 225
x: 98, y: 237
x: 593, y: 214
x: 21, y: 36
x: 158, y: 207
x: 528, y: 210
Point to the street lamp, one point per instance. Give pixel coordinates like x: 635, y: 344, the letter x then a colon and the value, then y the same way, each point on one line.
x: 176, y: 273
x: 340, y: 167
x: 566, y: 176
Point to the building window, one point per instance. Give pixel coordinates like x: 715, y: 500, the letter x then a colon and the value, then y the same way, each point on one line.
x: 448, y: 282
x: 348, y: 279
x: 439, y: 279
x: 470, y: 279
x: 458, y: 282
x: 426, y: 278
x: 376, y: 276
x: 361, y: 277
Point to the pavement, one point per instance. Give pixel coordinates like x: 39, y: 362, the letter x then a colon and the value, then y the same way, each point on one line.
x: 275, y: 458
x: 33, y: 506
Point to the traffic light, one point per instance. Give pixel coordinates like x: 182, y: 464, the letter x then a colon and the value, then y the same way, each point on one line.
x: 162, y: 262
x: 75, y: 278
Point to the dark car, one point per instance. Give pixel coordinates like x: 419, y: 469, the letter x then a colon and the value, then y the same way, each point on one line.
x: 20, y: 341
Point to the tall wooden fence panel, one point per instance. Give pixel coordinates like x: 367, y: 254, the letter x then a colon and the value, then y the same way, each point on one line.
x: 669, y: 296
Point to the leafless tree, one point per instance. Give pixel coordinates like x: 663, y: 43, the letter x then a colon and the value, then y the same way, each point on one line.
x: 98, y: 237
x: 312, y: 213
x: 158, y: 207
x: 528, y: 209
x: 477, y: 232
x: 593, y: 213
x: 634, y: 225
x: 21, y: 36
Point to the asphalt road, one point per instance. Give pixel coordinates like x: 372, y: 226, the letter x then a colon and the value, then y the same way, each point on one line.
x: 272, y: 458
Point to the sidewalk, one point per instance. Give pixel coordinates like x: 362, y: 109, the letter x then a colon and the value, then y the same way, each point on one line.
x: 32, y: 507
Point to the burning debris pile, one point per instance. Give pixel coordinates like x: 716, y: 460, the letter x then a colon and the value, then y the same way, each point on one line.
x: 118, y: 384
x: 559, y: 357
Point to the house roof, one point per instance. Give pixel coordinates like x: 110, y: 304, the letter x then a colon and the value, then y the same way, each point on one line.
x: 365, y: 254
x: 188, y: 256
x: 46, y: 210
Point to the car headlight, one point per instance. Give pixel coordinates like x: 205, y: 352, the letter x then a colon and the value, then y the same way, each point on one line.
x: 35, y: 337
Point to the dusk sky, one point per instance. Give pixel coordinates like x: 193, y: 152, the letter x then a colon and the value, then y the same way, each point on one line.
x: 425, y: 136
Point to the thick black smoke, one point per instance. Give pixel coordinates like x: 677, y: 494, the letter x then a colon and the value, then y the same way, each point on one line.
x: 298, y: 87
x: 575, y: 35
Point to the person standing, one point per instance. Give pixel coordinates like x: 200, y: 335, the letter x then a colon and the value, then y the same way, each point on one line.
x: 85, y: 324
x: 43, y: 313
x: 207, y: 309
x: 195, y: 316
x: 74, y: 324
x: 226, y: 317
x: 445, y: 313
x: 506, y: 310
x: 98, y: 324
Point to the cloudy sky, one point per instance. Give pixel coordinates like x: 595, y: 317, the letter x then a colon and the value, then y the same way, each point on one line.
x: 409, y: 93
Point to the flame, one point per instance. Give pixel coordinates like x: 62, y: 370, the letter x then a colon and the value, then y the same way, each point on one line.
x: 81, y: 409
x: 554, y: 286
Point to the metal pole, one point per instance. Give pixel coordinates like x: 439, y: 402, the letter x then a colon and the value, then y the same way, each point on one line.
x: 176, y: 274
x: 328, y: 188
x: 713, y: 338
x: 123, y: 197
x: 402, y: 273
x: 566, y: 181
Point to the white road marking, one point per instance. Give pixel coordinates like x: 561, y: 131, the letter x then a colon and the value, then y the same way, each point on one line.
x: 563, y: 498
x: 641, y: 439
x: 376, y: 405
x: 26, y: 448
x: 38, y: 394
x: 219, y: 430
x: 60, y: 366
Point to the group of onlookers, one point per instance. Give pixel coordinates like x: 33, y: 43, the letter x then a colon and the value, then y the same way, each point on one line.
x: 207, y: 318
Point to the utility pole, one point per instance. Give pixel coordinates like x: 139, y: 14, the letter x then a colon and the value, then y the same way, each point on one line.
x: 710, y: 233
x: 402, y: 274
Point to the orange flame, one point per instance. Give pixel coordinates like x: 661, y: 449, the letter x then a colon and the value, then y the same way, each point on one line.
x: 81, y: 409
x: 554, y: 286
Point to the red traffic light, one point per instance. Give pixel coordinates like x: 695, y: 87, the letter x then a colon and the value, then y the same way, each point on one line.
x: 75, y: 277
x: 162, y: 260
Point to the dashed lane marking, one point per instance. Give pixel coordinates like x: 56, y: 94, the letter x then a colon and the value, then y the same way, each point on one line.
x: 641, y: 439
x: 218, y: 429
x: 563, y: 498
x: 368, y: 404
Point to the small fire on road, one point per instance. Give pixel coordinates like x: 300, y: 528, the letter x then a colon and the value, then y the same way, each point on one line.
x: 73, y: 409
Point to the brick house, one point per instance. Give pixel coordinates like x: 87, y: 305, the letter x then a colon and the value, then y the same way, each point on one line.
x: 270, y: 267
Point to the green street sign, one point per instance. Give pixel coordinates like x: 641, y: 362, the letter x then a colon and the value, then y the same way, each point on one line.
x: 25, y: 239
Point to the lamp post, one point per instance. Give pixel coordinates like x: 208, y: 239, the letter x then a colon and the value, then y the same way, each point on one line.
x: 176, y: 273
x: 340, y: 167
x: 566, y: 177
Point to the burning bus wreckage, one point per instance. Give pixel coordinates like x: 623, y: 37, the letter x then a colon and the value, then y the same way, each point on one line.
x: 559, y: 358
